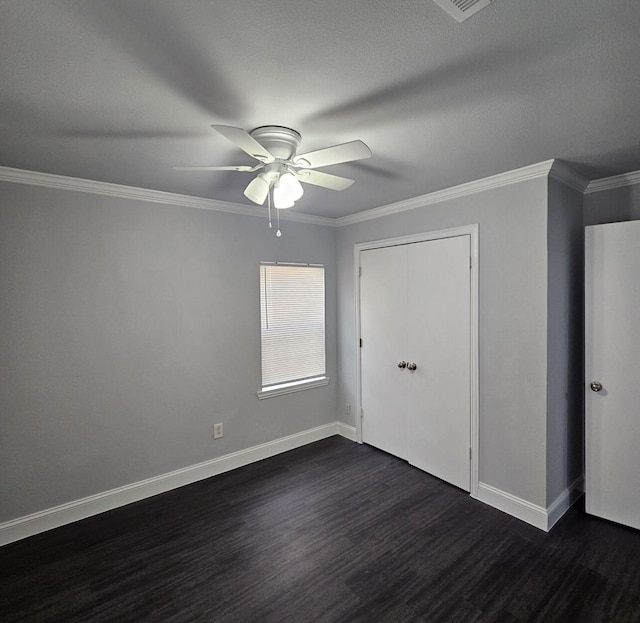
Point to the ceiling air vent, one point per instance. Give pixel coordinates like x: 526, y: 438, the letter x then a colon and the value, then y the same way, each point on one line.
x: 462, y: 9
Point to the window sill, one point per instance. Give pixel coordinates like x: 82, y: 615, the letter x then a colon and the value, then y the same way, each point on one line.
x: 290, y: 388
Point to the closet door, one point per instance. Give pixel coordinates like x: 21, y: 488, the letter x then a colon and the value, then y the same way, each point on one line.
x: 612, y: 323
x: 439, y: 324
x: 383, y: 328
x: 415, y: 321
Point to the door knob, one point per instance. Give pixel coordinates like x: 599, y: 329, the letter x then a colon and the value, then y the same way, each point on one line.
x: 412, y: 367
x: 595, y: 386
x: 402, y: 365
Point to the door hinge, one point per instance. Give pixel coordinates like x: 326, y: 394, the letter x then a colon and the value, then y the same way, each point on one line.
x: 469, y: 452
x: 359, y: 271
x: 360, y: 342
x: 361, y: 413
x: 470, y: 262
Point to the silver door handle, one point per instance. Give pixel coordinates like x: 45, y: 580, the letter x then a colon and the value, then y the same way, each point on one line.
x: 595, y: 386
x: 402, y: 365
x: 412, y: 367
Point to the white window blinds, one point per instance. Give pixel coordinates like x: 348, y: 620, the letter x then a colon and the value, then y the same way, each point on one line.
x: 292, y: 323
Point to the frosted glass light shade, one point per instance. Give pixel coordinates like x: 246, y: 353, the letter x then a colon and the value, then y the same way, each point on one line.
x: 258, y: 189
x: 280, y: 199
x: 286, y: 191
x: 291, y: 186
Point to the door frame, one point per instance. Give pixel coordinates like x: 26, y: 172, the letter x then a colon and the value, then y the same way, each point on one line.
x: 465, y: 230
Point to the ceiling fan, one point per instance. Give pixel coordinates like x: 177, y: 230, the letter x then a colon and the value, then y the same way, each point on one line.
x: 281, y: 169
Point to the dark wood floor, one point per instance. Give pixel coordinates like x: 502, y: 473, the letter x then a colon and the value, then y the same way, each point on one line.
x: 329, y: 532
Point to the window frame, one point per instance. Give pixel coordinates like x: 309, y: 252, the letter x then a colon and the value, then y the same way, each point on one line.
x: 295, y: 385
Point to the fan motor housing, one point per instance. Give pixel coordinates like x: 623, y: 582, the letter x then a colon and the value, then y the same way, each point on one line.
x: 281, y: 142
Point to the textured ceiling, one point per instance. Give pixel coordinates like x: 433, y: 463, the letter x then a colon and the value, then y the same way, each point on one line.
x: 122, y: 91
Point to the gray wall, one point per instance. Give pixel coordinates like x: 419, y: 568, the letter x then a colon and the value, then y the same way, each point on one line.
x: 513, y: 328
x: 126, y: 330
x: 612, y: 206
x: 565, y: 331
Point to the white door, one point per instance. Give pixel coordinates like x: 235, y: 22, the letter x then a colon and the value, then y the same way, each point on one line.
x: 612, y: 368
x: 415, y: 306
x: 383, y: 327
x: 439, y: 321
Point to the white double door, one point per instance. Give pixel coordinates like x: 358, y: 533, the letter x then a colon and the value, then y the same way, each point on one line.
x: 415, y: 310
x: 612, y: 364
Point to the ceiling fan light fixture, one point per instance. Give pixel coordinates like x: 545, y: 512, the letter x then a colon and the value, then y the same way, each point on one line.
x: 286, y: 191
x: 258, y: 189
x: 290, y: 184
x: 280, y: 200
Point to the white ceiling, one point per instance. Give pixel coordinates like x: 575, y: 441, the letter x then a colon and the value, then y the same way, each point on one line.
x: 121, y: 91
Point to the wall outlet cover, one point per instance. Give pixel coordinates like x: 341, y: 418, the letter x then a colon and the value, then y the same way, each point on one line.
x: 217, y: 431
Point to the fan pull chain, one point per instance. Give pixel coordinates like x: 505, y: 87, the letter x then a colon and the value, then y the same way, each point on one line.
x: 269, y: 193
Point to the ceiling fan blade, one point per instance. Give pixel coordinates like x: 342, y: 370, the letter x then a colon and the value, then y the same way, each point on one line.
x: 346, y: 152
x: 326, y: 180
x: 229, y: 168
x: 244, y: 141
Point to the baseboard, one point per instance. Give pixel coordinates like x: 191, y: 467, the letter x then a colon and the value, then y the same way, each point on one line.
x: 565, y: 501
x: 538, y: 516
x: 57, y: 516
x: 513, y: 505
x: 347, y: 431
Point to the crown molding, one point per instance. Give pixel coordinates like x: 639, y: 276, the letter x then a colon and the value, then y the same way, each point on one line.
x: 565, y: 174
x: 530, y: 172
x: 107, y: 189
x: 552, y: 168
x: 615, y: 181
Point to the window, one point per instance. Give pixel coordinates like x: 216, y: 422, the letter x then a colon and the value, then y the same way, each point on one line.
x: 292, y: 327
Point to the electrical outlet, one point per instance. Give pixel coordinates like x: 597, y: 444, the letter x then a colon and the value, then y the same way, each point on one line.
x: 347, y: 409
x: 217, y: 431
